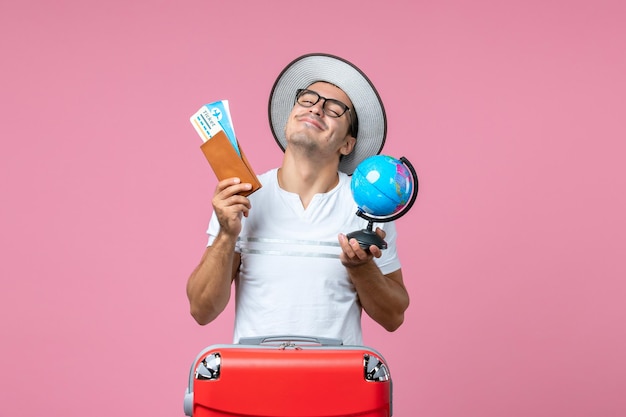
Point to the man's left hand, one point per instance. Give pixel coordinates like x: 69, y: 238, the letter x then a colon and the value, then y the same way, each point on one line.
x: 354, y: 255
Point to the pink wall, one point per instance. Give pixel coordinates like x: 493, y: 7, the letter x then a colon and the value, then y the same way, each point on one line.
x: 514, y: 116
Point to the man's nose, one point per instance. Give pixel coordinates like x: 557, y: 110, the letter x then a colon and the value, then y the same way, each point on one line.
x: 318, y: 108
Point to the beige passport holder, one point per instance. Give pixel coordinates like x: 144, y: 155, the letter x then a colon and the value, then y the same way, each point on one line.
x: 226, y: 163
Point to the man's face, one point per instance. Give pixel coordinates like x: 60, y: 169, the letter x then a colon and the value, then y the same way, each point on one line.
x: 312, y: 128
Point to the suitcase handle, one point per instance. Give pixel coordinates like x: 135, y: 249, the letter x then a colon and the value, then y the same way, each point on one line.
x: 324, y: 341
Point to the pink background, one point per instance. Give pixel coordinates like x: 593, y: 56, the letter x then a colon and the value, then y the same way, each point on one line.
x: 513, y: 114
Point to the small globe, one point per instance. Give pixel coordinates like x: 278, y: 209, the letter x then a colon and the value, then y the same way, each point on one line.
x: 381, y: 185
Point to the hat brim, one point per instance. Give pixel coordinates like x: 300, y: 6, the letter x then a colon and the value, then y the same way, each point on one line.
x: 311, y: 68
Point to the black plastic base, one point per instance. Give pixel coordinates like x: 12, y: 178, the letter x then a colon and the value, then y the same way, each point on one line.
x: 367, y: 238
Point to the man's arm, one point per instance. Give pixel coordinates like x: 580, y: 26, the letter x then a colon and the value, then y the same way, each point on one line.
x: 383, y: 297
x: 209, y: 285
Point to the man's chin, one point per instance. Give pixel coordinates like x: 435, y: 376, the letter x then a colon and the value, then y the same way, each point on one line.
x: 303, y: 141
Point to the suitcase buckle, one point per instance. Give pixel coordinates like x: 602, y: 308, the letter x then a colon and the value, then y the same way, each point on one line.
x: 375, y: 369
x: 209, y: 368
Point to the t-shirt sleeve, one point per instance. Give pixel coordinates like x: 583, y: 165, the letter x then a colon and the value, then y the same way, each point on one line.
x: 389, y: 261
x: 213, y: 230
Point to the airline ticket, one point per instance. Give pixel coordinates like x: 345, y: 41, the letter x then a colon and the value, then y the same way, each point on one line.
x: 213, y: 117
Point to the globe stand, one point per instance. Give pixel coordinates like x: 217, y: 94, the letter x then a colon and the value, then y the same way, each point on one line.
x: 368, y: 237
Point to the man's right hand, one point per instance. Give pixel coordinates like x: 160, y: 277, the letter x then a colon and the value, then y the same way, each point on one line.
x: 229, y: 206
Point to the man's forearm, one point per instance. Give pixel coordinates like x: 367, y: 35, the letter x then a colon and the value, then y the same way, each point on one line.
x: 209, y: 286
x: 383, y: 297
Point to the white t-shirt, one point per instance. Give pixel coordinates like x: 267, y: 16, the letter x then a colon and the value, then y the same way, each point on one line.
x: 291, y: 281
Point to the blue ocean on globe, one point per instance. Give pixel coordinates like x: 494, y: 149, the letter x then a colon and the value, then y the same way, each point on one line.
x: 381, y: 185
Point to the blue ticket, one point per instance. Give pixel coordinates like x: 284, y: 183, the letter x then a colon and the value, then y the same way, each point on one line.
x: 212, y: 118
x: 220, y: 111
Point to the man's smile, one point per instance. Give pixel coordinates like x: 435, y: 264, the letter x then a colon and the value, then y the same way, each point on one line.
x: 312, y: 120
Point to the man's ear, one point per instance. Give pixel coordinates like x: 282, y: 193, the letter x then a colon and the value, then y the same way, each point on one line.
x: 348, y: 147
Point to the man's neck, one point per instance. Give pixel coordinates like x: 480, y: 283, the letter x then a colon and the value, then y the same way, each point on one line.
x: 306, y: 180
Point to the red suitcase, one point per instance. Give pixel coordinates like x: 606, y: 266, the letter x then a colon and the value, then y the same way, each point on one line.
x: 288, y: 376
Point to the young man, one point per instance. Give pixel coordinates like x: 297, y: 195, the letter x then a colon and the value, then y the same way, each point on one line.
x: 285, y: 245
